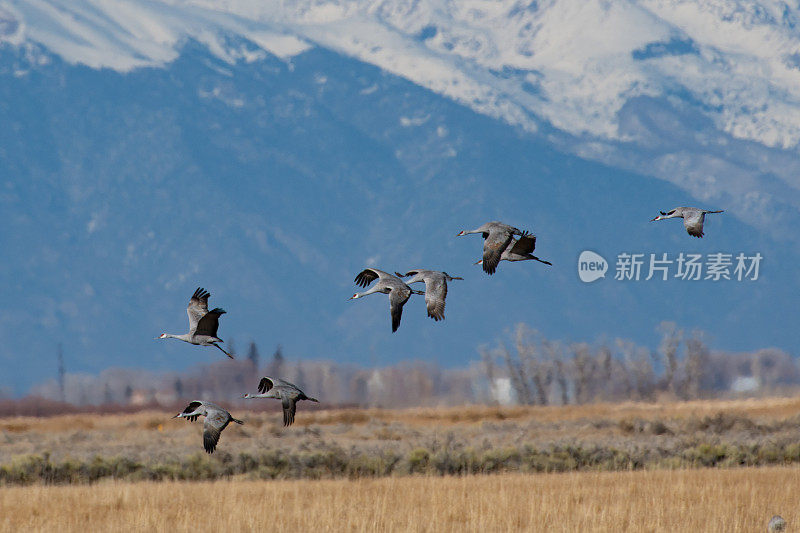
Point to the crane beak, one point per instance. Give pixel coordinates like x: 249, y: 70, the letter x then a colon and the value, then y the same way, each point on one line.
x: 176, y: 416
x: 657, y: 218
x: 460, y: 233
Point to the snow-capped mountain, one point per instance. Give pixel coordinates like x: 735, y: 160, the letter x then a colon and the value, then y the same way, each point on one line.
x: 268, y: 148
x: 590, y: 70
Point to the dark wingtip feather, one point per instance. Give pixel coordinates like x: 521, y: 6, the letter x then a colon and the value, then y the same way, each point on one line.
x: 436, y: 316
x: 201, y: 293
x: 264, y: 385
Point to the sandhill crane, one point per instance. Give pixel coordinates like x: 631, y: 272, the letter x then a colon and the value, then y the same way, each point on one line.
x: 217, y: 419
x: 398, y: 291
x: 496, y: 237
x: 520, y: 250
x: 203, y: 323
x: 435, y: 289
x: 693, y: 218
x: 288, y: 393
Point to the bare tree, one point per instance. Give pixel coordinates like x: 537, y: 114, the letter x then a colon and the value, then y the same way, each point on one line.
x: 584, y: 368
x: 555, y: 355
x: 253, y: 356
x: 517, y: 375
x: 641, y: 377
x: 605, y: 372
x: 670, y: 341
x: 275, y: 367
x: 537, y: 367
x: 697, y: 371
x: 61, y: 373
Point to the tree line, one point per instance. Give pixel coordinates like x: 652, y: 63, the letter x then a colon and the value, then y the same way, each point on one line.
x: 522, y: 367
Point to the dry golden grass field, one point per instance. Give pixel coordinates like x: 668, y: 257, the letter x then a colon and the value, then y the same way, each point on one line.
x: 599, y: 467
x: 713, y: 500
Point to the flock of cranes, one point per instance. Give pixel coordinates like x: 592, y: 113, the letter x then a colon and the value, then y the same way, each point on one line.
x: 501, y: 242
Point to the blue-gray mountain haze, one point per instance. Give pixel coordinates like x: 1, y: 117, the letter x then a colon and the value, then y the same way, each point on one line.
x: 272, y: 182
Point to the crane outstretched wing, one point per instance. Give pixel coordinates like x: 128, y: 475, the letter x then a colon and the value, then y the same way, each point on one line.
x: 198, y: 307
x: 694, y: 223
x: 397, y: 298
x: 209, y: 323
x: 212, y: 428
x: 289, y: 409
x: 368, y: 275
x: 524, y: 245
x: 265, y: 384
x: 493, y: 247
x: 192, y: 407
x: 435, y: 294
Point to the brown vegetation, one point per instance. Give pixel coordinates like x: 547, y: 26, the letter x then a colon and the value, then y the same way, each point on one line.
x: 354, y: 443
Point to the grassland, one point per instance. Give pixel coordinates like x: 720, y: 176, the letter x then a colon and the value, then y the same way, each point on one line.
x: 723, y: 500
x: 600, y: 467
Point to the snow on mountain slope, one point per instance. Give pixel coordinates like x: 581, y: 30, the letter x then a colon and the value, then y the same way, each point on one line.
x: 705, y: 95
x: 573, y: 63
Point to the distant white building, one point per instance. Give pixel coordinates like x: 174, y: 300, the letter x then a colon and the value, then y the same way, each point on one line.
x: 501, y: 391
x: 745, y: 384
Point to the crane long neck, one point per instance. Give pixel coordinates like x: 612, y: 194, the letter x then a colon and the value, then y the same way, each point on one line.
x: 372, y: 290
x: 259, y: 395
x: 198, y: 411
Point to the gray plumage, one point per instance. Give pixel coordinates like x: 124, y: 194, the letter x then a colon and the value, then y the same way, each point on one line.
x: 520, y: 250
x: 203, y: 324
x: 398, y: 291
x: 435, y: 289
x: 288, y: 393
x: 693, y: 218
x: 217, y: 419
x: 497, y: 237
x: 776, y: 524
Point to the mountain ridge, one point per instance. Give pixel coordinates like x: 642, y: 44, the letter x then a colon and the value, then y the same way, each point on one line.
x: 273, y: 181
